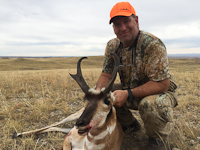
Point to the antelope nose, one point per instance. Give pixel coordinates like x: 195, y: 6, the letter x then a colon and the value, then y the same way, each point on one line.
x: 79, y: 123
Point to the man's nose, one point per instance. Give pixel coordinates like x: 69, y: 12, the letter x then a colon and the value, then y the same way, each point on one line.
x: 122, y: 27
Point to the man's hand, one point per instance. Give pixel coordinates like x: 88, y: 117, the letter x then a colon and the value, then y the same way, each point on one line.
x: 120, y: 97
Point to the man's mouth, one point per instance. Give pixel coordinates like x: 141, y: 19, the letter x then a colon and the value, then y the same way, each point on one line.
x: 124, y: 33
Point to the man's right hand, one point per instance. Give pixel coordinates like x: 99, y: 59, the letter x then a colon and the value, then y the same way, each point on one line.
x: 120, y: 97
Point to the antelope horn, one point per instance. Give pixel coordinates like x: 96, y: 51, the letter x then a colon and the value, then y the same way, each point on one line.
x: 78, y: 77
x: 114, y: 74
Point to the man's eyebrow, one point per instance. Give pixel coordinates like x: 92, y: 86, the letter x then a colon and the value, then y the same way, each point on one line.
x: 127, y: 18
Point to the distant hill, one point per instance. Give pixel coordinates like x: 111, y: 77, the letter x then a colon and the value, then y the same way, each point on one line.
x: 194, y: 55
x: 48, y: 63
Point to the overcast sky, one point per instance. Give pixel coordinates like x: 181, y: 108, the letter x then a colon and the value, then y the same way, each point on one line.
x: 81, y: 27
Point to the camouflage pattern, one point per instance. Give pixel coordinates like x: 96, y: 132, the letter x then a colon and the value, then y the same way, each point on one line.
x: 156, y: 112
x: 151, y: 65
x: 151, y: 61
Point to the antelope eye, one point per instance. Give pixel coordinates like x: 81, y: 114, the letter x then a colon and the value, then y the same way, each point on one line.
x: 106, y: 101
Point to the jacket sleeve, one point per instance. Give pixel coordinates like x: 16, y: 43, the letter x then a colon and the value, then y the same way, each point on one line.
x: 156, y: 66
x: 108, y: 64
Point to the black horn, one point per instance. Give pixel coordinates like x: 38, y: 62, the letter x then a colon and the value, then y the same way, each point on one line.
x: 78, y: 77
x: 114, y: 74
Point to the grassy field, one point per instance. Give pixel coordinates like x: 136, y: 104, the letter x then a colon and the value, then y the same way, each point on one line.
x: 36, y: 92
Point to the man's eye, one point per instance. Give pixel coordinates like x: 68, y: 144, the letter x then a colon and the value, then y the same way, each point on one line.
x: 116, y: 25
x: 127, y: 21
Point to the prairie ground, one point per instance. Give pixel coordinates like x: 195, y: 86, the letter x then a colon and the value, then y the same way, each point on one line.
x: 37, y: 92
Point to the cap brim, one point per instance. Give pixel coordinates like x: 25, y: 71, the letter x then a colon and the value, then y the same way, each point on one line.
x: 120, y: 14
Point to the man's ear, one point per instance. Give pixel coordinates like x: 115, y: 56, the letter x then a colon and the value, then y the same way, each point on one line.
x: 137, y: 20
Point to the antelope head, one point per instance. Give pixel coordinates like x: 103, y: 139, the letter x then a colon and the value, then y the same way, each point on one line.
x: 98, y: 104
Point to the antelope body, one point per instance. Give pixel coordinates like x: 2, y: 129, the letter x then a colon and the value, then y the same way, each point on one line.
x: 96, y: 125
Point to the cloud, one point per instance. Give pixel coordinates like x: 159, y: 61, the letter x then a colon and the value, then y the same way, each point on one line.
x: 190, y: 42
x: 74, y: 28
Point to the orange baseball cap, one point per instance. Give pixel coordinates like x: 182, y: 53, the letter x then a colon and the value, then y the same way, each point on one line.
x: 121, y: 9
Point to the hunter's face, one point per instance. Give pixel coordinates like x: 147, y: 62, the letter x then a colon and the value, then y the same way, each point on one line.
x: 126, y: 29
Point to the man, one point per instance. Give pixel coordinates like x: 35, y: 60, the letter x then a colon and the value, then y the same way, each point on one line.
x: 146, y: 84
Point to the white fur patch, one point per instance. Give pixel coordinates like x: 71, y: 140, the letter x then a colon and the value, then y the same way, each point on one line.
x: 91, y: 90
x: 92, y: 146
x: 112, y: 96
x: 100, y: 136
x: 101, y: 146
x: 103, y: 89
x: 110, y: 129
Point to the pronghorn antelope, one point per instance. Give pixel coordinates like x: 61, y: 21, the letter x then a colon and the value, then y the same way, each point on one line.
x: 96, y: 127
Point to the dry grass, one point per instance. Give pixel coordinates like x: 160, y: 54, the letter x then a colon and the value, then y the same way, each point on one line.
x: 32, y: 99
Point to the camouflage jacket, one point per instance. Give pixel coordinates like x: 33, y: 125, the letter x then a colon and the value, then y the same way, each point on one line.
x: 144, y: 61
